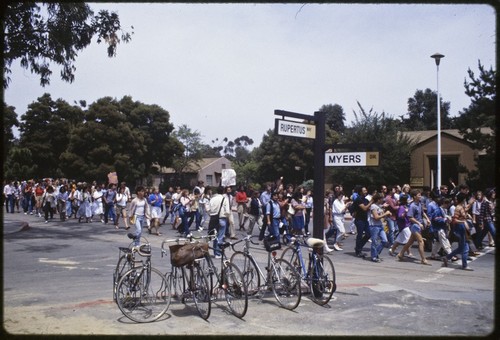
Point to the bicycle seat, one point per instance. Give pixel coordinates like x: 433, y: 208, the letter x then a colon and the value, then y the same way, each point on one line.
x: 315, y: 242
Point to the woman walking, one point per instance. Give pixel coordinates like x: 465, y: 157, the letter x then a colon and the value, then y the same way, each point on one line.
x: 377, y: 232
x: 140, y: 211
x: 416, y: 215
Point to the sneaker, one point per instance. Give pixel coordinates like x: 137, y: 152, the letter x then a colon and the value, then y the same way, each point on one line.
x: 376, y: 259
x: 308, y: 233
x: 131, y: 236
x: 200, y: 229
x: 391, y: 252
x: 218, y: 256
x: 336, y: 247
x: 468, y: 268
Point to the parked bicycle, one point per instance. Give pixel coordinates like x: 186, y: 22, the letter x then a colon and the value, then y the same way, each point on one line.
x: 126, y: 261
x: 142, y: 292
x: 228, y: 281
x: 187, y: 279
x: 281, y: 277
x: 318, y: 274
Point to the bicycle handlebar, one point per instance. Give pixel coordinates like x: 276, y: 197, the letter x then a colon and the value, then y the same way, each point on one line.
x: 143, y: 250
x: 190, y: 238
x: 247, y: 238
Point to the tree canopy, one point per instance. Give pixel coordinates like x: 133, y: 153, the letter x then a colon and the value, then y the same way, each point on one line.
x: 383, y: 132
x: 39, y: 34
x: 422, y: 112
x: 125, y: 136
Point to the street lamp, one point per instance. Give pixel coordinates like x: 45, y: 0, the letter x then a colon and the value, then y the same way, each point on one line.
x: 437, y: 58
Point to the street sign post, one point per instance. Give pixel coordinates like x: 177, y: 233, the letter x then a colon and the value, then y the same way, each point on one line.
x: 314, y: 131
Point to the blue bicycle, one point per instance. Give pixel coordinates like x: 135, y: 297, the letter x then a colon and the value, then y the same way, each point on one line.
x: 318, y: 274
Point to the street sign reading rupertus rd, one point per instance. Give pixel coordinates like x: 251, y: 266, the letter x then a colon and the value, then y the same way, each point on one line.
x: 294, y: 129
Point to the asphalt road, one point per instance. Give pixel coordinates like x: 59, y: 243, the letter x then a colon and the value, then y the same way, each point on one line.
x: 57, y: 279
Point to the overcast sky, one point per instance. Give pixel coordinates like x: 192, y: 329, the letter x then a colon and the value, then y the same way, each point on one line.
x: 223, y: 69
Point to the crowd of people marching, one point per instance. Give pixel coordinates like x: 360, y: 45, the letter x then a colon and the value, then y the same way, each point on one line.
x: 386, y: 217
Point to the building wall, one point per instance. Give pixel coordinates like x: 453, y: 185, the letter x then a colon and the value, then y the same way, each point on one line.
x: 214, y: 169
x: 420, y: 166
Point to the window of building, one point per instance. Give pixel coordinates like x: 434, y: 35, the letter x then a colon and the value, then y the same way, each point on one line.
x: 209, y: 180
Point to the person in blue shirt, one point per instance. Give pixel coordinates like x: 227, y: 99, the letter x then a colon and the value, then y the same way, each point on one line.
x: 273, y: 214
x: 156, y: 201
x: 265, y: 197
x: 439, y: 226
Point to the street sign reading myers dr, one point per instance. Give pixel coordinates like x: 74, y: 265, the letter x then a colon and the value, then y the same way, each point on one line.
x: 351, y: 159
x: 294, y: 129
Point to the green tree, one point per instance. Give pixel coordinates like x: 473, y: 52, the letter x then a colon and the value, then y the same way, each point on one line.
x: 471, y: 122
x: 382, y: 131
x: 39, y: 34
x: 334, y: 116
x: 19, y: 164
x: 122, y: 136
x: 154, y: 125
x: 422, y: 112
x: 9, y: 122
x: 45, y: 130
x: 192, y: 153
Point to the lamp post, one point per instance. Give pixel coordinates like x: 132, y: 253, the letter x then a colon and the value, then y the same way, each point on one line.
x: 437, y: 58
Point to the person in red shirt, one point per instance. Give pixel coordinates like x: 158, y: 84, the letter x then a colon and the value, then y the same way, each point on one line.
x: 39, y: 191
x: 241, y: 201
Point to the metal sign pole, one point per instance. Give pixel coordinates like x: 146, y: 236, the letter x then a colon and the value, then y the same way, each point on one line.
x: 319, y: 176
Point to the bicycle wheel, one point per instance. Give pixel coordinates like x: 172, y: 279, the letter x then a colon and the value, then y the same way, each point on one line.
x: 235, y: 290
x: 249, y: 269
x: 210, y: 271
x: 291, y: 255
x: 177, y: 283
x: 124, y: 264
x: 201, y: 291
x: 142, y: 295
x: 322, y: 280
x: 285, y: 283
